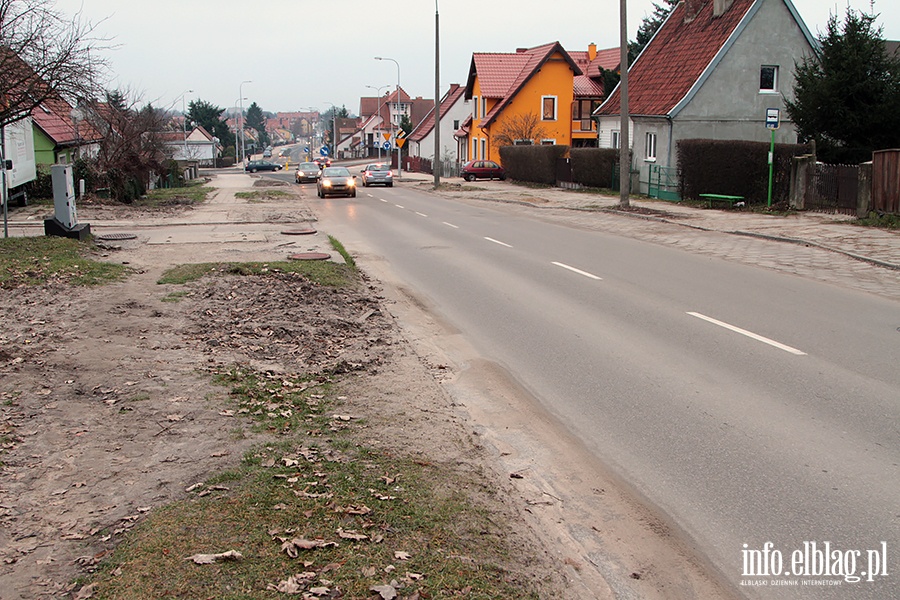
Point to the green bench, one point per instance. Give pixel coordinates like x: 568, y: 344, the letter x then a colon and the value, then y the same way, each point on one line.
x: 722, y: 198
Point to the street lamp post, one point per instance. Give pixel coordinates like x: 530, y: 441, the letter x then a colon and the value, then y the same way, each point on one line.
x: 399, y: 164
x: 380, y: 104
x: 436, y: 165
x: 241, y: 119
x: 184, y: 121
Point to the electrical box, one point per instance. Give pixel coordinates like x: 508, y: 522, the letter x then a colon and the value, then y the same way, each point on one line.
x: 64, y: 195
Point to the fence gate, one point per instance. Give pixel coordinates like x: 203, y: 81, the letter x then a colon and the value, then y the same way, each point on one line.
x: 663, y: 183
x: 833, y: 188
x: 886, y: 181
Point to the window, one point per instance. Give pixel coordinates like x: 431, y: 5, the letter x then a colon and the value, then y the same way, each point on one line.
x: 768, y: 78
x: 521, y: 142
x: 483, y: 106
x: 474, y: 148
x: 483, y: 147
x: 548, y: 108
x: 582, y: 111
x: 455, y: 124
x: 548, y: 142
x: 475, y: 107
x: 615, y: 138
x: 650, y: 146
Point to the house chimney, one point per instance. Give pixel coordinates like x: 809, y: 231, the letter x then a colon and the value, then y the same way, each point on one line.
x: 720, y: 7
x: 692, y: 8
x: 592, y: 51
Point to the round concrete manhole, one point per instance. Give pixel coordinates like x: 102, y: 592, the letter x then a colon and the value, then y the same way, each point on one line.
x: 310, y: 256
x: 108, y: 237
x: 298, y: 232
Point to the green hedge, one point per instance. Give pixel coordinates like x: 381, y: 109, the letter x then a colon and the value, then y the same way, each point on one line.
x: 735, y: 168
x: 536, y: 164
x: 594, y: 167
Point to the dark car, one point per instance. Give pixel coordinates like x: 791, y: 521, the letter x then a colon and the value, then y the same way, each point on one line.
x: 307, y: 171
x: 377, y: 173
x: 482, y: 169
x: 336, y: 181
x: 262, y: 165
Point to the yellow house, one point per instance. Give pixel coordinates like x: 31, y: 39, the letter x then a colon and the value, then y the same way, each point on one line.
x: 533, y: 96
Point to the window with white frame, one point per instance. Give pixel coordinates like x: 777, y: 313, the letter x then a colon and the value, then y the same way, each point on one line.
x: 483, y: 148
x: 650, y: 146
x: 615, y: 138
x: 474, y: 148
x: 548, y: 142
x: 475, y: 108
x: 548, y: 108
x: 483, y: 106
x: 523, y: 142
x: 768, y: 78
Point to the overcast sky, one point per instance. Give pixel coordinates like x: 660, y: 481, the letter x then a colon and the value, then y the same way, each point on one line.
x: 303, y: 53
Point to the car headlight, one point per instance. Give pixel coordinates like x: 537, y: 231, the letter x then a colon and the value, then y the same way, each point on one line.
x: 351, y: 182
x: 326, y: 183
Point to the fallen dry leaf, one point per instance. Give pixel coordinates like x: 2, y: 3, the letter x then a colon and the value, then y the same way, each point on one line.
x: 401, y: 555
x: 208, y: 559
x: 352, y: 535
x: 387, y: 592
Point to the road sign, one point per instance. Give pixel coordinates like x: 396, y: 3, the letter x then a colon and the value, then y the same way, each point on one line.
x: 387, y: 135
x: 400, y: 142
x: 306, y: 149
x: 773, y: 118
x: 400, y: 134
x: 386, y: 146
x: 324, y: 151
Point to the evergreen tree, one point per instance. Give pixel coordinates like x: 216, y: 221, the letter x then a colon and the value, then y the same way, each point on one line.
x: 209, y: 117
x: 847, y: 94
x: 256, y: 120
x: 649, y: 27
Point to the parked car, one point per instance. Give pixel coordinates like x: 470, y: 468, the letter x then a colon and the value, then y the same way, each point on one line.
x: 482, y: 169
x: 336, y: 181
x: 262, y: 165
x: 377, y: 173
x: 308, y: 171
x: 322, y: 161
x: 267, y: 153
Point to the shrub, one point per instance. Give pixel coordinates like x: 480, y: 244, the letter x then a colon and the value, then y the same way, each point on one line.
x: 594, y: 167
x: 536, y: 164
x: 736, y: 168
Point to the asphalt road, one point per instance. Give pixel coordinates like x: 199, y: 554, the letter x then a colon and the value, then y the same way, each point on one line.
x: 748, y: 406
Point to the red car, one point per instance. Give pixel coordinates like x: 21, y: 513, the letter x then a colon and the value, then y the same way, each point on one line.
x: 482, y: 169
x: 322, y: 161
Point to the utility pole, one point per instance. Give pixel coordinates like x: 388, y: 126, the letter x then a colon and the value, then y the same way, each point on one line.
x: 436, y: 165
x: 624, y: 155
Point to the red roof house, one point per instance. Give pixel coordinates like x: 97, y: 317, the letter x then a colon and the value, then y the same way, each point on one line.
x: 711, y: 71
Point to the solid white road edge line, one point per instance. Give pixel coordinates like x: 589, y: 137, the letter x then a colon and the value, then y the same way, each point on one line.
x: 749, y: 334
x: 497, y: 242
x: 579, y: 271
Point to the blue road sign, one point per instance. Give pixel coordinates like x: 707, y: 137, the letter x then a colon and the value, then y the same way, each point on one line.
x: 324, y: 151
x: 306, y: 149
x: 386, y: 145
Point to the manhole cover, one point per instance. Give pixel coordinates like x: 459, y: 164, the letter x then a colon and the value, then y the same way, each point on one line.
x: 298, y: 232
x: 310, y: 256
x: 116, y: 236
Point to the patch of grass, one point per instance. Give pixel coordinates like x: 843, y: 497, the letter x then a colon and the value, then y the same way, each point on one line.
x: 192, y: 193
x: 319, y: 271
x: 339, y: 248
x: 174, y: 296
x: 45, y: 259
x: 362, y: 505
x: 882, y: 221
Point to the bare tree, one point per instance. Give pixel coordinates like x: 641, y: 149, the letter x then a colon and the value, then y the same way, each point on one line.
x: 518, y: 129
x: 132, y: 149
x: 45, y: 54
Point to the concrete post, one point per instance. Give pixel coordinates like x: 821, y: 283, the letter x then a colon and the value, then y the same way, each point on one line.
x: 864, y: 191
x: 800, y: 170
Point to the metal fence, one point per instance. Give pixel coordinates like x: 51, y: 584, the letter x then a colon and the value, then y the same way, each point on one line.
x: 833, y: 188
